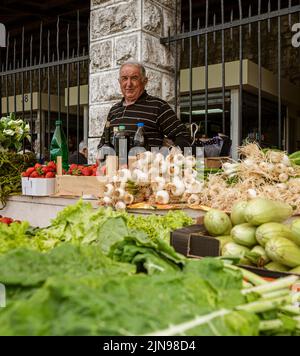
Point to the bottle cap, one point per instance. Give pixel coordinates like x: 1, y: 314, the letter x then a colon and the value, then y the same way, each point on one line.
x: 140, y: 124
x: 122, y: 127
x: 58, y: 122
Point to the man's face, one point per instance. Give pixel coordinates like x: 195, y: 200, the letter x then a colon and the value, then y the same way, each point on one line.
x: 131, y: 82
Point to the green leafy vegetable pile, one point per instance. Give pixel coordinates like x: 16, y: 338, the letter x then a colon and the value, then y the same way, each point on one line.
x: 98, y: 272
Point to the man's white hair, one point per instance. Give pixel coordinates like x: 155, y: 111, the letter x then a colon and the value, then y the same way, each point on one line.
x: 136, y: 64
x: 82, y: 146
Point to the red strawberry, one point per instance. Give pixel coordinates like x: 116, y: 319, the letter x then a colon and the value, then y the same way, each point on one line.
x: 37, y: 166
x: 34, y: 175
x: 45, y: 170
x: 30, y: 170
x: 25, y: 174
x: 7, y: 221
x: 87, y: 171
x: 51, y: 165
x: 72, y: 167
x: 50, y: 175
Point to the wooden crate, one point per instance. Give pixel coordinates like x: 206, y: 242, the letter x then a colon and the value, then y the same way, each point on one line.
x: 78, y: 186
x: 215, y: 162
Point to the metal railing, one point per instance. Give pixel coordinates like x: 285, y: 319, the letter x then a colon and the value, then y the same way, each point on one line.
x: 241, y: 26
x: 37, y: 73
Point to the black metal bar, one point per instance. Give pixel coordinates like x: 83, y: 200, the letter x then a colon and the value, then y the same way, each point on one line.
x: 233, y: 24
x: 22, y: 75
x: 68, y: 82
x: 14, y: 81
x: 176, y: 60
x: 191, y: 62
x: 6, y: 81
x: 241, y: 73
x: 58, y: 70
x: 259, y: 76
x: 49, y: 91
x: 40, y: 95
x: 30, y: 90
x: 88, y: 31
x: 78, y: 86
x: 223, y: 70
x: 279, y: 80
x: 1, y: 68
x: 206, y: 69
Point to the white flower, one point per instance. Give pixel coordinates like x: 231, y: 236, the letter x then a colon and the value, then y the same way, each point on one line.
x: 19, y: 131
x: 9, y: 132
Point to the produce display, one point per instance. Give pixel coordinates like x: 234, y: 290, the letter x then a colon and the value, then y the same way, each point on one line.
x: 260, y: 235
x: 41, y: 171
x: 98, y: 272
x: 11, y: 166
x: 7, y: 221
x: 260, y: 173
x: 156, y: 179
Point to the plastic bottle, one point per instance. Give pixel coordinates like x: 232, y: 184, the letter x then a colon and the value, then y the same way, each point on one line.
x: 104, y: 151
x: 122, y: 145
x: 138, y: 141
x: 58, y: 146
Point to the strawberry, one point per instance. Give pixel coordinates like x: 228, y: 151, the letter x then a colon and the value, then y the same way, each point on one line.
x: 72, y: 167
x: 51, y: 165
x: 87, y: 171
x: 45, y: 170
x: 30, y: 170
x: 25, y: 174
x: 6, y: 220
x: 50, y: 175
x: 34, y: 175
x: 37, y: 166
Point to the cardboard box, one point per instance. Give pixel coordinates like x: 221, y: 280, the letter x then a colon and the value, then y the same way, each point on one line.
x: 194, y: 242
x: 79, y: 186
x: 215, y: 162
x: 39, y: 187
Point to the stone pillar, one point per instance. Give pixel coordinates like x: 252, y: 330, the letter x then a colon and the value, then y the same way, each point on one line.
x: 121, y: 31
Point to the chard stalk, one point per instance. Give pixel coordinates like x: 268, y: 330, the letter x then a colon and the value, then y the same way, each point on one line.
x: 267, y: 305
x: 279, y: 284
x: 270, y: 325
x: 291, y: 309
x: 276, y: 294
x: 180, y: 329
x: 249, y: 276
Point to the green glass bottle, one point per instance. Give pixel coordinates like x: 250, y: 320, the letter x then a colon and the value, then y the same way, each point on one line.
x: 59, y: 146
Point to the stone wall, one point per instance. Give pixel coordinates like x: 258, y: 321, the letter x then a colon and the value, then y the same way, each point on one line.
x: 121, y: 31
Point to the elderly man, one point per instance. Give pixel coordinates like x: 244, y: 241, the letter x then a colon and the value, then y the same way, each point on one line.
x: 160, y: 121
x: 82, y: 157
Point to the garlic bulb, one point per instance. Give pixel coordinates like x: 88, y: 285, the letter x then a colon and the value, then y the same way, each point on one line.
x: 124, y: 175
x: 190, y: 162
x: 120, y: 205
x: 194, y: 200
x: 119, y: 193
x: 153, y: 173
x: 128, y: 199
x: 179, y: 160
x: 108, y: 190
x: 252, y: 193
x: 177, y: 187
x: 173, y: 170
x: 107, y: 201
x: 195, y: 188
x: 190, y: 173
x: 162, y: 197
x: 158, y: 184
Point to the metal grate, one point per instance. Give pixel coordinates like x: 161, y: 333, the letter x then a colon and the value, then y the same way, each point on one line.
x: 238, y: 26
x: 37, y: 71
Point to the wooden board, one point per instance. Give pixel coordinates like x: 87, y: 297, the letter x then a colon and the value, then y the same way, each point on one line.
x: 78, y: 186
